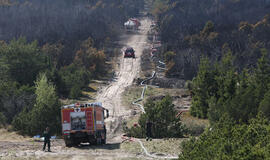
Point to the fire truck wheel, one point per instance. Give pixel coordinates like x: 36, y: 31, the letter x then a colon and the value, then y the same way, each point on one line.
x: 68, y: 143
x: 93, y: 142
x: 103, y: 141
x: 76, y: 143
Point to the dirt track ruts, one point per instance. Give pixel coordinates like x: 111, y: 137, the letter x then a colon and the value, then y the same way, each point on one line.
x: 128, y: 70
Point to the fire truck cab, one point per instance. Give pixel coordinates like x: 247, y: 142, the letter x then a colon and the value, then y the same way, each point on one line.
x: 84, y: 123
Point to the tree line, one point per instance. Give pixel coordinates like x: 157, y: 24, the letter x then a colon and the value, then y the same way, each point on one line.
x: 192, y: 28
x: 220, y: 89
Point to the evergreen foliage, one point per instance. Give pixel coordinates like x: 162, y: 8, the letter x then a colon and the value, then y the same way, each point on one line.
x: 22, y: 61
x: 162, y: 115
x: 45, y: 112
x: 72, y: 80
x: 229, y: 140
x: 203, y: 89
x: 220, y: 90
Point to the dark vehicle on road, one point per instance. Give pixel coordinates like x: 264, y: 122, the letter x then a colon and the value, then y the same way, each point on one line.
x: 129, y: 53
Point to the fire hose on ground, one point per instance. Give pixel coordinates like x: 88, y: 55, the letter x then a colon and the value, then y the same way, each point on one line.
x: 143, y: 92
x: 142, y: 108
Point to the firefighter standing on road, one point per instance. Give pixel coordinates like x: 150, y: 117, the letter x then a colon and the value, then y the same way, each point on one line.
x: 148, y: 130
x: 47, y: 139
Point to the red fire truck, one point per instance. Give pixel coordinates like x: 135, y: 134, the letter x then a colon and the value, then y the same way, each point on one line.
x: 84, y: 123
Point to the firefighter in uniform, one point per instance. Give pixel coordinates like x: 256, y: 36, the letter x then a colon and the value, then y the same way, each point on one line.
x: 47, y: 139
x: 148, y: 130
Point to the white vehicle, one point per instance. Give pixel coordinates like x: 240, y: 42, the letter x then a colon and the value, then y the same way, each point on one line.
x: 132, y: 24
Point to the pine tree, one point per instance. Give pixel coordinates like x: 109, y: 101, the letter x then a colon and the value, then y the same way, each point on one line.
x: 264, y: 107
x: 204, y: 88
x: 262, y: 76
x: 46, y: 111
x: 226, y: 80
x: 163, y: 116
x: 21, y: 61
x: 242, y: 106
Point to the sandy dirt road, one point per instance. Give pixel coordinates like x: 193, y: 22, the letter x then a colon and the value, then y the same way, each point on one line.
x: 110, y: 96
x: 127, y: 71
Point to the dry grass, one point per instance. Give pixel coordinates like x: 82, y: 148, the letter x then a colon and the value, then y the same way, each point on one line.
x: 147, y: 65
x: 131, y: 147
x: 131, y: 94
x: 88, y: 95
x: 187, y: 118
x: 68, y: 101
x: 131, y: 158
x: 5, y: 3
x: 12, y: 155
x: 132, y: 120
x: 171, y: 146
x: 12, y: 136
x: 195, y: 125
x: 153, y: 91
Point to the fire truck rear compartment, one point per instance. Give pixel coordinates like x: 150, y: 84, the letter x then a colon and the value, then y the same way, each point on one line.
x: 78, y: 120
x: 84, y: 123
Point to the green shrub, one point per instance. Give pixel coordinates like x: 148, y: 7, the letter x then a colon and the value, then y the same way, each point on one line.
x: 73, y: 79
x: 45, y: 112
x: 135, y: 131
x: 194, y: 129
x: 228, y: 140
x: 163, y: 117
x: 189, y: 85
x: 220, y: 89
x: 75, y: 92
x: 22, y: 61
x: 169, y: 56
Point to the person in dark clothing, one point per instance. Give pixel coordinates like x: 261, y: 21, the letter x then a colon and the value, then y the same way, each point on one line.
x: 148, y: 130
x: 47, y: 139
